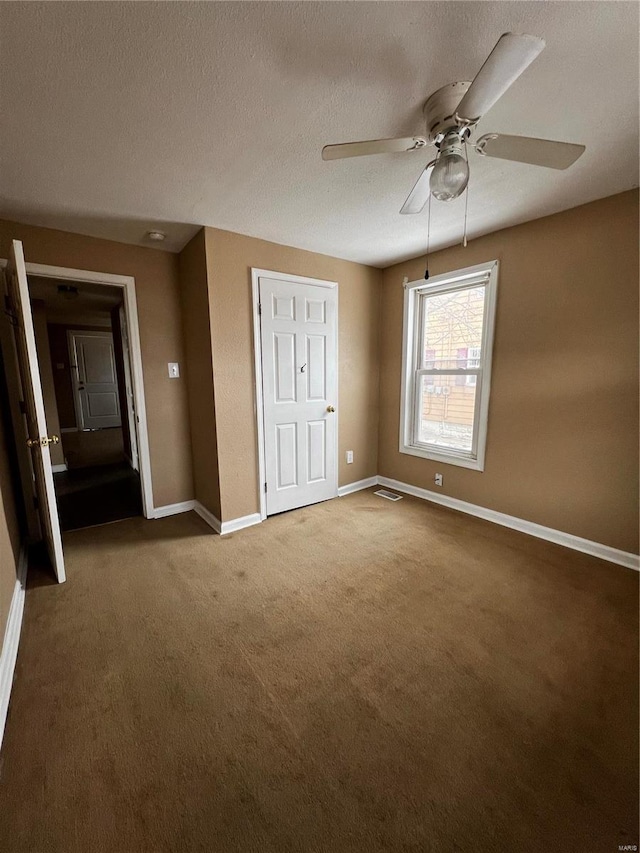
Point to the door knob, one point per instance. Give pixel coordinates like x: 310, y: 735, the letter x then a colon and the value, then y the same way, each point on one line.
x: 330, y: 409
x: 45, y: 441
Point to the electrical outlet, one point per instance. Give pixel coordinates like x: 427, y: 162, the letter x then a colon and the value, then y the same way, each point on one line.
x: 438, y: 479
x: 349, y: 457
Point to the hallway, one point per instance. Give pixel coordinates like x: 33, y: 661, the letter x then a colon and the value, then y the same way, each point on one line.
x: 97, y: 495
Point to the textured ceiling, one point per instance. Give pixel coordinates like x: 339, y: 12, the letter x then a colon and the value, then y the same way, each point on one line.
x: 119, y: 117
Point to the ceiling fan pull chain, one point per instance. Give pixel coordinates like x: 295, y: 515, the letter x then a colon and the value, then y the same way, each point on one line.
x: 426, y: 272
x: 466, y: 204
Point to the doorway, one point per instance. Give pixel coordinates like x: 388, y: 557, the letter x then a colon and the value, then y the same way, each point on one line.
x: 33, y: 428
x: 83, y: 367
x: 296, y: 362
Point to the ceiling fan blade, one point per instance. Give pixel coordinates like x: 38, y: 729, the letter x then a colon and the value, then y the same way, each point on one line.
x: 527, y: 149
x: 419, y: 195
x: 512, y: 54
x: 373, y: 146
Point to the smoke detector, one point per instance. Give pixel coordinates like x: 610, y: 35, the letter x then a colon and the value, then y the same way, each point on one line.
x: 156, y: 236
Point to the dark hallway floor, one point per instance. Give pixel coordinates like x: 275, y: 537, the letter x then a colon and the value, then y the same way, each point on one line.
x: 97, y: 495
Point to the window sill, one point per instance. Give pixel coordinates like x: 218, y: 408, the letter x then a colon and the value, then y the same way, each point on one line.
x: 442, y: 456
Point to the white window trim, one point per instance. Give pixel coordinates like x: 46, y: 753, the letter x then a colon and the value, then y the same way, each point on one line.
x: 411, y: 329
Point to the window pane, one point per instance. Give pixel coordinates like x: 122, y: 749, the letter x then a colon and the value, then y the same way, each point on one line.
x: 453, y: 329
x: 446, y: 412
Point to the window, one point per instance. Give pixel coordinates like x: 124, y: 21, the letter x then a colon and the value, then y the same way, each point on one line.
x: 448, y: 338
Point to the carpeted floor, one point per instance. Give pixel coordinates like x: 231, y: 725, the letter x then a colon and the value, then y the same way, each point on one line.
x: 354, y: 676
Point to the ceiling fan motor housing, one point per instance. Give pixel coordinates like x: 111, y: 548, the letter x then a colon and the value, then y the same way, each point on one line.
x: 452, y: 143
x: 440, y: 109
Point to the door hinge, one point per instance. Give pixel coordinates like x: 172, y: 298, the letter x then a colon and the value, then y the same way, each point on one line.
x: 265, y: 487
x: 259, y: 307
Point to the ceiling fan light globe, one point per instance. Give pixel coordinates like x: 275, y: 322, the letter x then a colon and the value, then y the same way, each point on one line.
x: 449, y: 177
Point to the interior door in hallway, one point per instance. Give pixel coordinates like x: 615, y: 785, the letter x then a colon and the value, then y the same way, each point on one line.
x: 96, y: 383
x: 36, y: 424
x: 300, y: 383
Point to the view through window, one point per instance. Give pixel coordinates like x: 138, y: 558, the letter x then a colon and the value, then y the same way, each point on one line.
x: 448, y: 336
x: 452, y: 334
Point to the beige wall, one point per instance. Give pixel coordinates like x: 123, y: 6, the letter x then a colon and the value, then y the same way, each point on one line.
x: 39, y: 314
x: 562, y: 446
x: 9, y: 534
x: 563, y: 422
x: 230, y: 258
x: 157, y: 293
x: 197, y: 335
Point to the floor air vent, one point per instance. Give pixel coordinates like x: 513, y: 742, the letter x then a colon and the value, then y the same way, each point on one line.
x: 390, y: 496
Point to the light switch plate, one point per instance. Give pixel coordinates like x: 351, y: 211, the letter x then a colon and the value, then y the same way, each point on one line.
x: 174, y: 370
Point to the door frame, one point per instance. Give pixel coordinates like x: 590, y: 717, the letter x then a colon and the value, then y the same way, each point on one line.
x: 77, y: 404
x: 128, y: 285
x: 256, y: 275
x: 128, y: 390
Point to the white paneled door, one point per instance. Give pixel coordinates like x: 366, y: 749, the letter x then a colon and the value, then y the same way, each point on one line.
x: 93, y: 366
x: 35, y: 420
x: 300, y: 383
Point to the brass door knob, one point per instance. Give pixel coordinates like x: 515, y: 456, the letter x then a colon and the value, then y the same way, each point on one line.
x: 330, y: 409
x: 45, y: 441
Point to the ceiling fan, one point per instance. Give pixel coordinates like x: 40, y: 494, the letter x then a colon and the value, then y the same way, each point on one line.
x: 451, y: 114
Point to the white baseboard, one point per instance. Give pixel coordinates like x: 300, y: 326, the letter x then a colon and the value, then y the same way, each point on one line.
x: 207, y: 516
x: 586, y: 546
x: 9, y: 652
x: 224, y: 527
x: 173, y: 509
x: 239, y: 523
x: 357, y: 486
x: 559, y: 537
x: 57, y: 469
x: 221, y: 527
